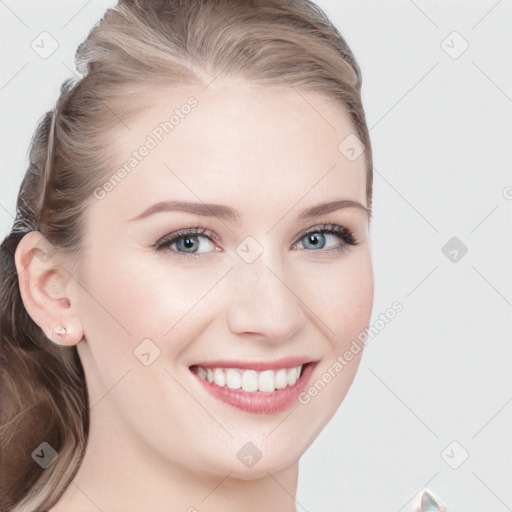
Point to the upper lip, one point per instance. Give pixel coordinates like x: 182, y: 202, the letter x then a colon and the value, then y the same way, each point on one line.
x: 277, y: 364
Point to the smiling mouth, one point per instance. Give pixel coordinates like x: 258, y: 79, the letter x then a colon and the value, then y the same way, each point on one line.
x: 248, y: 380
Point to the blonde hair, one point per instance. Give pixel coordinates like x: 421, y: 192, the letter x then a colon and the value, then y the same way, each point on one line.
x: 137, y: 45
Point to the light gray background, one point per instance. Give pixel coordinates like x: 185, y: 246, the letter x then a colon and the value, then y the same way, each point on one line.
x: 441, y: 133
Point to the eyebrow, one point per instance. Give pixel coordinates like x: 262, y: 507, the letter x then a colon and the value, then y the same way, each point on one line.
x: 207, y: 210
x: 321, y: 209
x: 233, y: 215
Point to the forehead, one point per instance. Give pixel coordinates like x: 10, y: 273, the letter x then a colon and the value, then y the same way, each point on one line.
x: 231, y: 143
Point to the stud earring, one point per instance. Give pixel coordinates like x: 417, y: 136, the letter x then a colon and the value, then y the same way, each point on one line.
x: 61, y: 331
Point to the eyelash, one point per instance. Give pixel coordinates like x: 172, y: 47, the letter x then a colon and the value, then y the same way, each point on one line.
x: 346, y: 236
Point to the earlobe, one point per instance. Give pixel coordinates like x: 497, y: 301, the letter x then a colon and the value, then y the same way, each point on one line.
x: 43, y: 286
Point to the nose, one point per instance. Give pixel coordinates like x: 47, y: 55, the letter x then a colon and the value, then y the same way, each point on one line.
x: 264, y: 303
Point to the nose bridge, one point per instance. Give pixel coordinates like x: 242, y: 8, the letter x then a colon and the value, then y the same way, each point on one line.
x: 262, y: 301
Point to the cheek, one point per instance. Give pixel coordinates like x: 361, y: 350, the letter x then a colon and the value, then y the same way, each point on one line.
x: 342, y: 300
x: 340, y: 296
x: 130, y: 298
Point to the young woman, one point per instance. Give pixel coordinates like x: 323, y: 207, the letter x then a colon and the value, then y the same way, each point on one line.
x: 190, y: 266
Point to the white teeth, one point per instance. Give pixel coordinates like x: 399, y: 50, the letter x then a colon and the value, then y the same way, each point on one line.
x: 280, y: 379
x: 250, y: 380
x: 292, y: 375
x: 266, y: 381
x: 233, y: 379
x: 219, y: 377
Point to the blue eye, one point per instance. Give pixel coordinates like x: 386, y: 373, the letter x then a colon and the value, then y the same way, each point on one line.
x: 330, y: 237
x: 192, y: 244
x: 188, y: 242
x: 315, y: 241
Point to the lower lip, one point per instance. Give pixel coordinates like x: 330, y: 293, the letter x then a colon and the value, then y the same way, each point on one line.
x: 259, y: 402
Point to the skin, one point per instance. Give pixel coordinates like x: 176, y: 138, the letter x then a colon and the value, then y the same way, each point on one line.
x: 157, y: 440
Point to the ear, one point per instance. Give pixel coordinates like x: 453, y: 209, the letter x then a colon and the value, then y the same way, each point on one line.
x: 45, y: 289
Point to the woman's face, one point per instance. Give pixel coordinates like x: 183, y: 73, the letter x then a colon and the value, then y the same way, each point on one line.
x: 271, y: 280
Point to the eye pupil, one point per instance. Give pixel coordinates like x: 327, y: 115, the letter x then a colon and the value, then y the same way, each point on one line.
x: 316, y: 240
x: 188, y: 243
